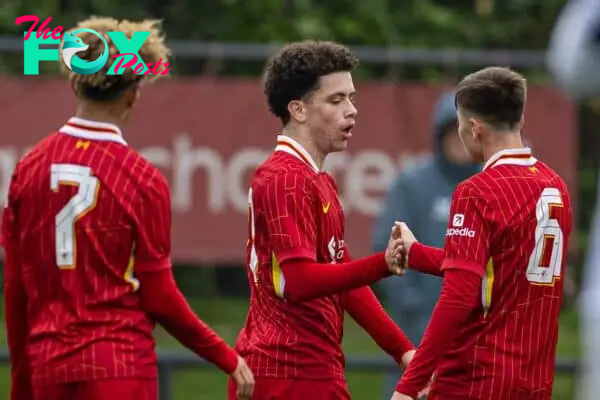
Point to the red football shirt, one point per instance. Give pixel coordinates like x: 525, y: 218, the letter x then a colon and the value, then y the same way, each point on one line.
x: 510, y: 225
x: 294, y: 212
x: 77, y: 215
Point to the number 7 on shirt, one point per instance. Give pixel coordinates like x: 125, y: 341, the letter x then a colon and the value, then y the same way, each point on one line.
x: 79, y: 205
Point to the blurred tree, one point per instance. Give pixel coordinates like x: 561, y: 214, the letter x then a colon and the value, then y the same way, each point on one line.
x: 507, y: 24
x: 422, y: 23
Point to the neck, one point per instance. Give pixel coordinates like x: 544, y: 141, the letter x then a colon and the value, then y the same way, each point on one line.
x: 305, y: 139
x: 101, y: 114
x: 502, y: 141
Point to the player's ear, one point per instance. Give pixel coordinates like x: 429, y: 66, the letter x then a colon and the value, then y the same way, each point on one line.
x: 297, y: 110
x: 74, y: 88
x: 131, y: 95
x: 476, y: 128
x: 522, y: 122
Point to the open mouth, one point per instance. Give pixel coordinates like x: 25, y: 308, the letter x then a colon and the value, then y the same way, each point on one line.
x: 348, y: 129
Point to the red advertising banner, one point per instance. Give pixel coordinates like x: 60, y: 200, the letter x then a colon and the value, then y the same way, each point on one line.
x: 208, y: 135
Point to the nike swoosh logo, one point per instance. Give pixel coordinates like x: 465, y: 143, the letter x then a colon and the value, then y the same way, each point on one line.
x: 326, y: 207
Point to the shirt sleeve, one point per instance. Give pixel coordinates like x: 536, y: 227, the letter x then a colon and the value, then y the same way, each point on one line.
x: 289, y: 210
x: 152, y: 216
x: 15, y: 298
x: 458, y: 297
x: 8, y: 231
x: 467, y: 236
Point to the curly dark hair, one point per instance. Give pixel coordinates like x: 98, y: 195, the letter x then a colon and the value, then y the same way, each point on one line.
x: 497, y: 95
x: 294, y: 72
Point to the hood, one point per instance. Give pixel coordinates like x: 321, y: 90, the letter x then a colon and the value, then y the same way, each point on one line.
x: 444, y: 114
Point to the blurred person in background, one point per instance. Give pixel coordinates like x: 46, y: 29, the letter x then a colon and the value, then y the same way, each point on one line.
x: 574, y: 61
x: 574, y: 51
x: 421, y: 196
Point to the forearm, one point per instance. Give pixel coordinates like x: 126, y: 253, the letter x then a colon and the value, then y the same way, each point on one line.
x: 426, y: 259
x: 306, y: 280
x: 163, y: 301
x: 458, y: 298
x: 364, y: 307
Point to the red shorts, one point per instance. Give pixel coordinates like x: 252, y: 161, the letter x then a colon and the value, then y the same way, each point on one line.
x: 101, y: 389
x: 290, y: 389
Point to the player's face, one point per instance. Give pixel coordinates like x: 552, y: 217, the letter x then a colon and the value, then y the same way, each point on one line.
x: 469, y: 131
x: 331, y: 112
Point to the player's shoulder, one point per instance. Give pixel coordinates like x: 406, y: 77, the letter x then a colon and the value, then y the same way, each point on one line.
x: 282, y: 169
x: 36, y: 153
x: 551, y: 177
x: 477, y: 190
x: 282, y: 162
x: 546, y: 170
x: 474, y: 185
x: 145, y: 176
x: 143, y: 169
x: 114, y: 162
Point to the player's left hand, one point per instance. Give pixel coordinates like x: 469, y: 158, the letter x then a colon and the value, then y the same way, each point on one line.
x: 424, y: 393
x: 400, y: 396
x: 244, y: 380
x: 407, y: 357
x: 394, y: 252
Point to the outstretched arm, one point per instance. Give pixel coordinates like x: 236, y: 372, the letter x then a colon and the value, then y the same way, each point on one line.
x: 464, y: 261
x: 287, y: 205
x: 364, y: 307
x: 426, y: 259
x: 422, y: 258
x: 158, y: 291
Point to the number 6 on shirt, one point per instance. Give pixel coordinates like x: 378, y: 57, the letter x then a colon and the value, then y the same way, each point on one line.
x: 545, y: 261
x: 79, y: 205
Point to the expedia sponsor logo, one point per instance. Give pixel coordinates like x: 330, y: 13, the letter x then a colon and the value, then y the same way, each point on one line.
x: 464, y: 232
x: 458, y: 220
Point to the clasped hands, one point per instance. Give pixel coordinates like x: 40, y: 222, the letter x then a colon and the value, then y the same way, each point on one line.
x: 396, y: 254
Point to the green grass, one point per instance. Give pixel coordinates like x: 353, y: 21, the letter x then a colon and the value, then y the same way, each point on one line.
x: 227, y: 316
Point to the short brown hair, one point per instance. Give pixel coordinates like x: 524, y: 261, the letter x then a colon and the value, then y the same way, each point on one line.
x: 496, y: 95
x: 100, y: 86
x: 294, y: 72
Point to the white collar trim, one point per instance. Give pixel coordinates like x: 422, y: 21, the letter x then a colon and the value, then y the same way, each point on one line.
x: 520, y: 157
x: 93, y: 130
x: 290, y: 146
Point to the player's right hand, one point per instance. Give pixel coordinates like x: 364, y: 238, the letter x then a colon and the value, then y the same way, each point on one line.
x: 244, y: 380
x: 394, y: 252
